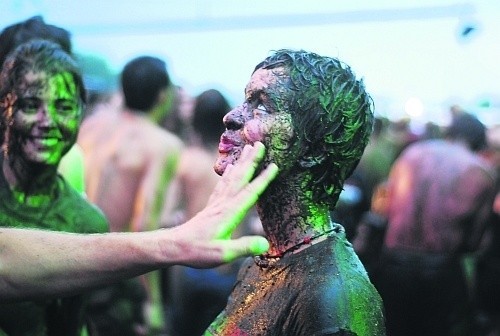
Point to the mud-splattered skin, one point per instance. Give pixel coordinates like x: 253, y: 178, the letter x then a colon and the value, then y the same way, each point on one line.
x: 314, y: 119
x: 41, y: 128
x: 41, y: 100
x: 288, y: 214
x: 259, y: 118
x: 314, y: 292
x: 46, y: 117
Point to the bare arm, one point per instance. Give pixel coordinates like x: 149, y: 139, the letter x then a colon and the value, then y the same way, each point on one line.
x: 35, y: 263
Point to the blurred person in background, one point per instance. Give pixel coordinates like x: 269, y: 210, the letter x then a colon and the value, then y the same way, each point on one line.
x: 195, y: 296
x: 130, y: 163
x: 364, y: 186
x: 438, y: 203
x: 196, y: 181
x: 487, y: 280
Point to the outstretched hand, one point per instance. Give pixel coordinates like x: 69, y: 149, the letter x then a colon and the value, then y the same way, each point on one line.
x: 208, y: 240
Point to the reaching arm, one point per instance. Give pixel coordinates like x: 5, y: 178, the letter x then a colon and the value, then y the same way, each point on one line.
x: 36, y: 263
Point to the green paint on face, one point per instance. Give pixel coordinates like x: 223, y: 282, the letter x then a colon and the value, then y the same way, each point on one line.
x: 66, y: 104
x: 46, y: 117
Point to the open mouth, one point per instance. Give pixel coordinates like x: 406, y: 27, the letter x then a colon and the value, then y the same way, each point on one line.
x: 225, y: 148
x: 227, y: 144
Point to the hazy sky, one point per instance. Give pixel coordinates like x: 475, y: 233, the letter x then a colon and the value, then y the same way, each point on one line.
x: 411, y: 51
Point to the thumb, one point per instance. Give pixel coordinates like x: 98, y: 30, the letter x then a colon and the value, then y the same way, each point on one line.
x: 243, y: 247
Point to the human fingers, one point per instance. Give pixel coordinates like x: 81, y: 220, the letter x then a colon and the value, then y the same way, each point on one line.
x: 205, y: 253
x: 246, y: 198
x: 244, y: 247
x: 237, y: 176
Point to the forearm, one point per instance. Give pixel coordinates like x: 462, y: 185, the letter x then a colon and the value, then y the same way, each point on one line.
x: 35, y: 263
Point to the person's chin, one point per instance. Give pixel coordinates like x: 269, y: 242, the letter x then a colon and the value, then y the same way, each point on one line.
x: 220, y: 164
x: 42, y: 160
x: 41, y: 157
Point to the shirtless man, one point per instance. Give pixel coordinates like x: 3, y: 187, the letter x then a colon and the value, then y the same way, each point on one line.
x: 197, y: 182
x: 438, y: 205
x: 130, y: 161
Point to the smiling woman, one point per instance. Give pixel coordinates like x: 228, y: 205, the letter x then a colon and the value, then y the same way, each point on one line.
x: 43, y: 104
x: 46, y: 122
x: 42, y: 95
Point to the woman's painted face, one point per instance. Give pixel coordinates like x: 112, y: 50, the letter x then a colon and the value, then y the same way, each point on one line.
x: 258, y: 119
x: 46, y: 117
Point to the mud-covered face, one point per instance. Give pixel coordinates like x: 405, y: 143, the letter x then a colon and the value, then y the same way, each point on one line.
x: 259, y: 118
x: 45, y: 118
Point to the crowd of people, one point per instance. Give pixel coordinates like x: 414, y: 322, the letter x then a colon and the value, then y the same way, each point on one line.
x: 46, y: 276
x: 428, y: 237
x: 360, y: 226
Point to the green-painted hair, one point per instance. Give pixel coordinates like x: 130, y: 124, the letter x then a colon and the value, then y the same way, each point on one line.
x: 332, y: 115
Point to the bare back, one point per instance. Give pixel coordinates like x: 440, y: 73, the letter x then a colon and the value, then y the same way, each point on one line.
x: 129, y: 163
x: 197, y: 178
x: 440, y: 195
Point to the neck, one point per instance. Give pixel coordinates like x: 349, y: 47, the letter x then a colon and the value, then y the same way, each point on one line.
x: 32, y: 184
x: 290, y: 218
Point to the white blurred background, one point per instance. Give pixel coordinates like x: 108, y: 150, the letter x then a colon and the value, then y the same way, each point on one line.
x: 417, y: 57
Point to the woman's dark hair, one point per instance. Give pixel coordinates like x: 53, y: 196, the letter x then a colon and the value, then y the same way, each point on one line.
x: 31, y: 29
x: 210, y: 107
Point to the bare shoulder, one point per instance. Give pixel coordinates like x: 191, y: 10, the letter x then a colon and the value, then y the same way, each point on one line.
x: 101, y: 114
x: 196, y: 164
x: 196, y: 156
x: 99, y: 123
x: 162, y: 140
